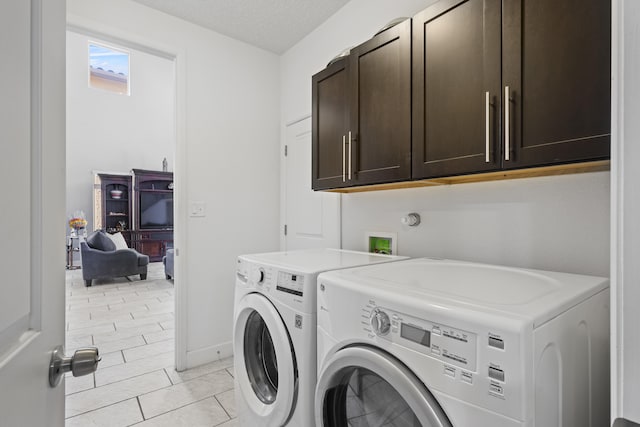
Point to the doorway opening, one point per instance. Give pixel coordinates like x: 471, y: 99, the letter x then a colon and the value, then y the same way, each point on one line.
x: 130, y: 319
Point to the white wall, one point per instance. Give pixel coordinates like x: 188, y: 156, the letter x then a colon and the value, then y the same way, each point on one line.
x: 356, y: 22
x: 226, y: 156
x: 554, y: 223
x: 111, y: 132
x: 557, y: 223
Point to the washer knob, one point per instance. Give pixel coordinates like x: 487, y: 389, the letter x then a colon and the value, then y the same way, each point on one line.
x: 257, y: 276
x: 380, y: 322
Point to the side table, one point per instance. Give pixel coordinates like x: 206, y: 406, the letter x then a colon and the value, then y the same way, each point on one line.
x: 73, y: 245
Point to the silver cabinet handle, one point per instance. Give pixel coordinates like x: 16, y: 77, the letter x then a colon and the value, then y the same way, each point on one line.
x: 486, y: 127
x: 349, y: 155
x: 344, y: 166
x: 506, y: 123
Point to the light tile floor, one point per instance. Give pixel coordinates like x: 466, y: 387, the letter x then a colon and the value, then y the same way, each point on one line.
x: 131, y: 322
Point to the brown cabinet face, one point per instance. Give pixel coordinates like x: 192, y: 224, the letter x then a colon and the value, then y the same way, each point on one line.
x: 556, y: 63
x: 113, y: 198
x: 456, y: 88
x: 478, y: 86
x: 511, y: 84
x: 380, y: 126
x: 152, y: 248
x: 361, y: 114
x: 330, y: 120
x: 152, y: 243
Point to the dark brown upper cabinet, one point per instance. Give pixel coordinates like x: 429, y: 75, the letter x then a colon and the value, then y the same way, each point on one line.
x: 511, y: 84
x: 330, y: 126
x: 361, y: 114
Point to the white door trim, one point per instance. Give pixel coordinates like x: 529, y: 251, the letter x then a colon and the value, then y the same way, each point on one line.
x: 89, y: 27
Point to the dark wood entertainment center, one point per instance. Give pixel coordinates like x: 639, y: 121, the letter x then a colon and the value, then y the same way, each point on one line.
x: 143, y: 212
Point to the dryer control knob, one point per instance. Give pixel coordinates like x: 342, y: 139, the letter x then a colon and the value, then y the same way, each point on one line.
x: 257, y: 276
x: 380, y: 322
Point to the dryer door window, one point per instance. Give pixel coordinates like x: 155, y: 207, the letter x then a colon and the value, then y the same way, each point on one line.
x: 364, y: 386
x: 265, y: 362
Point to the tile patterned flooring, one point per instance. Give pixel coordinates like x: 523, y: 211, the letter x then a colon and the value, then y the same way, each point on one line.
x: 131, y: 322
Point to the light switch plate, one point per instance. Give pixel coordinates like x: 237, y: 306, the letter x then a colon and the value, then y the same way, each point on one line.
x: 197, y: 209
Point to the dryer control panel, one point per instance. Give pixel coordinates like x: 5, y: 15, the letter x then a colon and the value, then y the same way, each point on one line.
x: 448, y: 344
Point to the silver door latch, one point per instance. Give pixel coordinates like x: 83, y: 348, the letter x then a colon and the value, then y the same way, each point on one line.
x: 84, y: 361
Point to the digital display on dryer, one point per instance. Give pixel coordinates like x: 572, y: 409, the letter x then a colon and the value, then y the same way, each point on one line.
x: 415, y: 334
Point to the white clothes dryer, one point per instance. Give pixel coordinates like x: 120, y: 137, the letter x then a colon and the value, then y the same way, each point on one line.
x: 274, y: 336
x: 445, y: 343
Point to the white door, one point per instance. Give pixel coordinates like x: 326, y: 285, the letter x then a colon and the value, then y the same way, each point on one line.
x: 32, y: 218
x: 311, y: 218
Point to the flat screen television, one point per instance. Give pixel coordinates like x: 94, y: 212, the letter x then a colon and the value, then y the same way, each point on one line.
x: 156, y: 210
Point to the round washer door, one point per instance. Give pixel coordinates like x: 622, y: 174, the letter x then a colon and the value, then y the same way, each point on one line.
x: 265, y: 360
x: 366, y: 386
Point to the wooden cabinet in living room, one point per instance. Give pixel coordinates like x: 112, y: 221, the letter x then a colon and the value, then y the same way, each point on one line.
x: 153, y: 243
x: 509, y: 85
x: 112, y: 196
x: 153, y: 212
x: 361, y: 114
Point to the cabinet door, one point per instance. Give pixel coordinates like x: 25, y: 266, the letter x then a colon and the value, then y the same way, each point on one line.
x: 556, y: 66
x: 330, y: 117
x: 380, y: 127
x: 456, y: 88
x: 153, y: 248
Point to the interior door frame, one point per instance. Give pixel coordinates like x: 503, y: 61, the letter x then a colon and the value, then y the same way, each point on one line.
x: 178, y: 56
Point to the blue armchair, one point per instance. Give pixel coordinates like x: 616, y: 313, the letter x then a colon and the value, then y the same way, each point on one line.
x: 167, y: 260
x: 101, y: 260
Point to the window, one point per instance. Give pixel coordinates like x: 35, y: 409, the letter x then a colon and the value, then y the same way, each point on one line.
x: 108, y: 69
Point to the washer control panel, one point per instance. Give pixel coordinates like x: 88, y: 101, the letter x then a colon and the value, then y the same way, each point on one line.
x: 448, y: 344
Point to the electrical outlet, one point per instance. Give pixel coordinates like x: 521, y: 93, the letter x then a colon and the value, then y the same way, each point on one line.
x: 198, y: 209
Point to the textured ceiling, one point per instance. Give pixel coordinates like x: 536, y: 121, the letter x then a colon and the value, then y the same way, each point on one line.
x: 274, y: 25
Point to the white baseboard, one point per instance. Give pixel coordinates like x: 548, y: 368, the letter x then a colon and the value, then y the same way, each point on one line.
x: 210, y: 354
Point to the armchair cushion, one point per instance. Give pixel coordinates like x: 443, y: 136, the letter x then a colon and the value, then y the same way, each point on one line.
x: 99, y: 240
x: 118, y: 240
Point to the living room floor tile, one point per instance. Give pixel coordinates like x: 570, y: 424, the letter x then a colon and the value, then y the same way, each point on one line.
x: 149, y: 350
x: 207, y: 412
x: 111, y: 346
x: 120, y: 414
x: 176, y: 396
x: 161, y: 335
x: 110, y: 359
x: 199, y: 371
x: 131, y: 369
x: 123, y: 333
x: 76, y: 384
x: 132, y: 323
x: 228, y: 402
x: 99, y: 397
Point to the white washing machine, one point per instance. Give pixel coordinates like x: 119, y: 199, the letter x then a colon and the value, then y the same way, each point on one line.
x: 275, y: 332
x: 428, y: 342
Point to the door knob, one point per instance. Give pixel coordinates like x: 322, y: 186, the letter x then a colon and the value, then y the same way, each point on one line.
x: 84, y: 361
